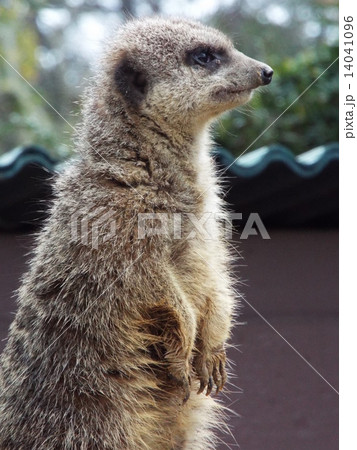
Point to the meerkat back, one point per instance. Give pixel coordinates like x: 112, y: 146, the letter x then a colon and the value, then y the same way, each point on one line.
x: 122, y: 322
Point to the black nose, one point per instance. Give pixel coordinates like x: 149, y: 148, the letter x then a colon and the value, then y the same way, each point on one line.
x: 267, y: 75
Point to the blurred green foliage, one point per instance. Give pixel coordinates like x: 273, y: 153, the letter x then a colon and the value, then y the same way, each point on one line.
x: 25, y: 118
x: 41, y: 41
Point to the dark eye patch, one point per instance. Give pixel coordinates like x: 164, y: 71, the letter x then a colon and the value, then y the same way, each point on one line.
x: 206, y: 57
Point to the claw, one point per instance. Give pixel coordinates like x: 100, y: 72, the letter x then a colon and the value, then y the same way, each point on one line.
x: 209, y: 386
x: 218, y: 385
x: 218, y: 389
x: 202, y: 387
x: 187, y: 396
x: 223, y: 373
x: 217, y: 379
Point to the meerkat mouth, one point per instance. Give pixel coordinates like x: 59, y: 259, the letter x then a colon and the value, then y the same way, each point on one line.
x: 238, y: 91
x: 233, y: 96
x: 224, y: 93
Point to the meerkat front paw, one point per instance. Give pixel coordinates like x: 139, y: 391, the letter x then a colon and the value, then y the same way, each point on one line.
x: 210, y: 369
x: 181, y: 377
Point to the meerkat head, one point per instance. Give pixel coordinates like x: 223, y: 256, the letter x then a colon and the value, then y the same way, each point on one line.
x: 179, y: 71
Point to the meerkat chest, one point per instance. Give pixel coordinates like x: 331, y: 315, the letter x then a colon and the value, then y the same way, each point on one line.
x: 210, y: 207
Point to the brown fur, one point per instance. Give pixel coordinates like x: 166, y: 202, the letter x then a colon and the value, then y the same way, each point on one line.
x: 111, y: 343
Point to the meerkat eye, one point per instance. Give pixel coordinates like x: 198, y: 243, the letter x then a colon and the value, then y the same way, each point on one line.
x: 204, y: 57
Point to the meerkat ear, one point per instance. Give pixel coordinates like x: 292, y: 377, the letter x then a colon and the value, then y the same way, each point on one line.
x: 131, y: 83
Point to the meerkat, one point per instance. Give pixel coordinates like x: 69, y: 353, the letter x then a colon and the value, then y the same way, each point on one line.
x: 119, y: 340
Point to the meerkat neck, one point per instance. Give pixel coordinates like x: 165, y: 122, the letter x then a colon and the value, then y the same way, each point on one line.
x: 131, y: 139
